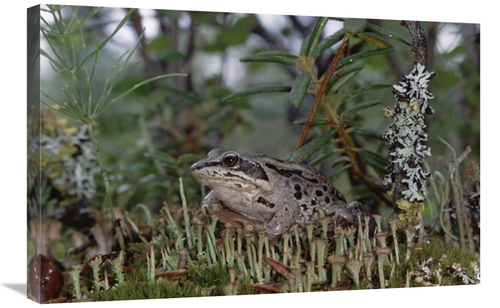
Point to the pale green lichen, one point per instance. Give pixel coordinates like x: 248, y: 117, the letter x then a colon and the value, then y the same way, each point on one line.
x: 406, y: 134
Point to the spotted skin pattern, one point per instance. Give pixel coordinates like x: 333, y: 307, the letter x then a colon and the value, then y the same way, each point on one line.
x: 272, y: 192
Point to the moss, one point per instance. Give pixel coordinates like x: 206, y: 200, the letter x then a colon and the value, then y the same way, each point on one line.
x: 225, y: 260
x: 198, y: 280
x: 431, y: 264
x: 136, y: 286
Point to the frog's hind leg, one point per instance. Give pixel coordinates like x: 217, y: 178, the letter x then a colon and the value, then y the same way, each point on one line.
x: 357, y: 207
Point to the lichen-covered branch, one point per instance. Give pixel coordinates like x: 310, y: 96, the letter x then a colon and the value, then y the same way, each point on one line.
x: 419, y: 42
x: 406, y: 134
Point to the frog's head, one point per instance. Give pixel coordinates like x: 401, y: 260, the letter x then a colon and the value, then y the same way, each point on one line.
x: 231, y: 170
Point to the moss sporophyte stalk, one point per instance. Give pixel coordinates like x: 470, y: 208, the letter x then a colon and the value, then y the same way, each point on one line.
x: 246, y: 261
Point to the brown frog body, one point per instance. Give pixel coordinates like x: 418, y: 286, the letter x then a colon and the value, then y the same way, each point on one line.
x: 273, y: 194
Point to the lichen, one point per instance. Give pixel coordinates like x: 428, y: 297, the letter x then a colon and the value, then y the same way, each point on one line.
x: 67, y: 157
x: 407, y: 137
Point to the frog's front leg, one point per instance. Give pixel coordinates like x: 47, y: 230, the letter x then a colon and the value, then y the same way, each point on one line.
x: 210, y: 199
x: 283, y: 219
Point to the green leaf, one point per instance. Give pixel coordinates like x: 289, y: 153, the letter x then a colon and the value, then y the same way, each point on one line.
x: 167, y: 177
x: 337, y: 173
x: 256, y: 90
x: 78, y: 23
x: 366, y: 89
x: 314, y: 37
x: 63, y: 111
x: 375, y: 40
x: 364, y: 54
x: 340, y: 161
x: 303, y: 46
x: 317, y: 121
x: 215, y: 91
x: 273, y: 57
x: 327, y: 43
x: 238, y: 33
x: 103, y: 43
x: 159, y: 44
x: 367, y: 132
x: 388, y: 33
x: 299, y: 89
x: 161, y: 156
x: 170, y: 54
x: 188, y: 158
x: 277, y: 54
x: 372, y: 159
x: 189, y: 96
x: 56, y: 65
x: 352, y: 123
x: 359, y: 106
x: 322, y: 158
x: 99, y: 110
x: 199, y: 17
x: 355, y: 25
x: 310, y: 148
x: 233, y: 35
x: 339, y: 80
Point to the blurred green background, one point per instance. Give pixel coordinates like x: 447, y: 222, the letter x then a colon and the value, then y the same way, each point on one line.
x: 149, y: 138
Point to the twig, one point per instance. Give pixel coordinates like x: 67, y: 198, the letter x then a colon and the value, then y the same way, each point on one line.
x: 406, y: 134
x: 445, y: 218
x: 136, y: 20
x: 419, y: 42
x: 463, y: 223
x: 322, y: 90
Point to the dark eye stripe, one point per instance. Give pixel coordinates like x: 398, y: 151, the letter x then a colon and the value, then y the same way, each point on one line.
x: 252, y: 169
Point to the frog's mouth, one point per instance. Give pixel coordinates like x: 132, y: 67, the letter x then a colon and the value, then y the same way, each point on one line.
x: 233, y: 180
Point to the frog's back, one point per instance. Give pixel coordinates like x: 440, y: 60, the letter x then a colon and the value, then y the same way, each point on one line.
x: 316, y: 196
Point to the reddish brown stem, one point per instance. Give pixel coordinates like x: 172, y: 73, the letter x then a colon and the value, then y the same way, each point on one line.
x: 322, y: 90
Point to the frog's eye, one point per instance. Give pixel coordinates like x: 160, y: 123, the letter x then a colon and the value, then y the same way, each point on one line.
x: 230, y: 159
